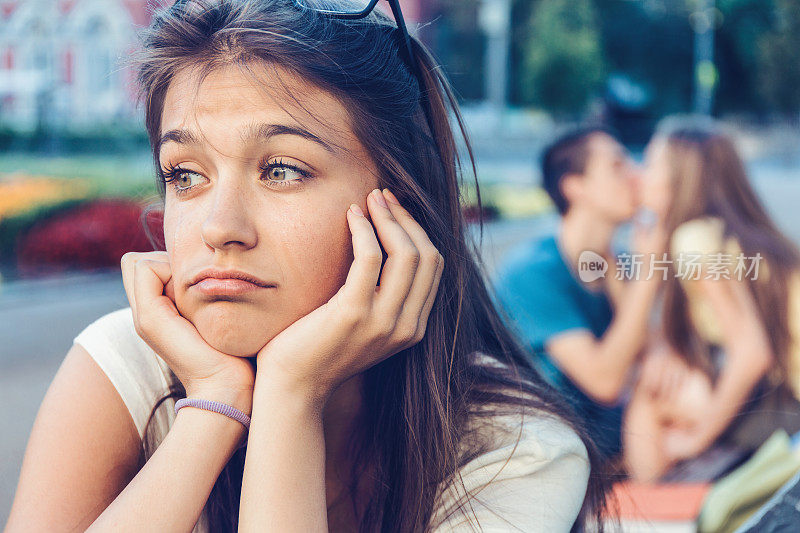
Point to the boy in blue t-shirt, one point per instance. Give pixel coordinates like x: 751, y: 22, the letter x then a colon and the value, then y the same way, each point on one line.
x: 583, y: 327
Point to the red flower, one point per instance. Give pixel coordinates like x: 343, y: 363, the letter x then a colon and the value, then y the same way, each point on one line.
x: 93, y: 235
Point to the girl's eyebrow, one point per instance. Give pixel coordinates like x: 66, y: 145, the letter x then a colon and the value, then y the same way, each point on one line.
x: 251, y: 132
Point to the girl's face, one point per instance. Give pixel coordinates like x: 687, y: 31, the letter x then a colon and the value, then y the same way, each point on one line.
x: 260, y: 193
x: 656, y: 192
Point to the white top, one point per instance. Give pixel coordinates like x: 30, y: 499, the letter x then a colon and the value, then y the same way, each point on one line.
x: 537, y: 484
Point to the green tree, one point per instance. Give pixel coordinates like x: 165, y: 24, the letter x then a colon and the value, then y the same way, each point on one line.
x: 458, y: 43
x: 652, y: 44
x: 780, y: 60
x: 741, y: 23
x: 562, y: 59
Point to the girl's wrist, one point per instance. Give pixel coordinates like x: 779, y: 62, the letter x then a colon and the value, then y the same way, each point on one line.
x: 239, y: 398
x: 227, y: 433
x: 273, y: 385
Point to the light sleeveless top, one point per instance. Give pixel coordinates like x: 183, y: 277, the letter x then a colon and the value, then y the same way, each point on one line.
x: 705, y: 237
x: 537, y: 484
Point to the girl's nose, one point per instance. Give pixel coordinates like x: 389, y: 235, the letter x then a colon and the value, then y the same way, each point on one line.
x: 229, y: 219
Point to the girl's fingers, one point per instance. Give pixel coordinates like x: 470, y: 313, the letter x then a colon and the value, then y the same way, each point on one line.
x: 150, y: 276
x: 422, y: 289
x: 359, y: 287
x: 128, y: 265
x: 402, y: 261
x: 164, y: 329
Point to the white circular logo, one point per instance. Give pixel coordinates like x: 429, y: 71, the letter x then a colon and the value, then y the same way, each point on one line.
x: 591, y: 266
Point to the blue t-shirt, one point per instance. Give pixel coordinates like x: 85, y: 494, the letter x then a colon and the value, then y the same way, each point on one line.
x: 542, y: 296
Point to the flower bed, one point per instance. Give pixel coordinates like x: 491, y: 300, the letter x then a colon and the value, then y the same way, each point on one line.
x: 89, y: 236
x: 20, y: 192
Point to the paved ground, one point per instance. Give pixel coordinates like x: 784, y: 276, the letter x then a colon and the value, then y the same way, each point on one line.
x: 37, y: 324
x: 39, y: 319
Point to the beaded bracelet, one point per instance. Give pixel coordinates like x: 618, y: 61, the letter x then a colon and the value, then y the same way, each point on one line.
x: 217, y: 407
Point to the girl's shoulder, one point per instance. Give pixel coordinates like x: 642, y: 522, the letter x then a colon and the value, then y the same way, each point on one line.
x: 531, y: 475
x: 706, y: 240
x: 538, y: 429
x: 140, y: 376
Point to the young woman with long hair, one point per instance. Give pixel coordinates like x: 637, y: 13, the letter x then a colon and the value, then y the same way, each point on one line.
x: 724, y: 375
x: 383, y: 390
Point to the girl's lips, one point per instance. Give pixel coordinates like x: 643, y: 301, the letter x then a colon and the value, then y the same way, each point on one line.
x: 225, y: 287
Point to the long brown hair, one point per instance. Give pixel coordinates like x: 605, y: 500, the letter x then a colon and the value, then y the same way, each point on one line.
x: 420, y: 399
x: 708, y: 178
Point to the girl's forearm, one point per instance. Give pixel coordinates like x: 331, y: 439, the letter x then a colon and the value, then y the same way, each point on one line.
x: 748, y: 352
x: 624, y: 339
x: 283, y: 485
x: 738, y: 378
x: 171, y: 489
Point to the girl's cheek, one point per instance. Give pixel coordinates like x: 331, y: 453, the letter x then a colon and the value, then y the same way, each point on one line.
x: 334, y: 248
x: 170, y: 228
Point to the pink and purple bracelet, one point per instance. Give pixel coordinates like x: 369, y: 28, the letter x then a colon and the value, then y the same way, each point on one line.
x: 217, y: 407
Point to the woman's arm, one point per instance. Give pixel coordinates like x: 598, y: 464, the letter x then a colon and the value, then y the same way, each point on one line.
x: 169, y: 492
x: 748, y: 357
x: 84, y: 452
x: 283, y: 485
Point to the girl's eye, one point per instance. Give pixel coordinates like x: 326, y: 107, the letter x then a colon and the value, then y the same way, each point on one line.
x: 175, y: 175
x: 278, y: 174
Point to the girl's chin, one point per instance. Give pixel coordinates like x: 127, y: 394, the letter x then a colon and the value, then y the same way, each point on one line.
x: 238, y: 340
x: 236, y: 349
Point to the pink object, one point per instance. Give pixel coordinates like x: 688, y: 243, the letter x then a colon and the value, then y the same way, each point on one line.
x: 660, y: 502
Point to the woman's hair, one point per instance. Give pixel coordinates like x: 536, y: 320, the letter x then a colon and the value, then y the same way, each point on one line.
x: 415, y: 435
x: 708, y: 178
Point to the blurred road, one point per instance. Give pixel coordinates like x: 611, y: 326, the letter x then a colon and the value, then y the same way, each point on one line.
x: 38, y: 319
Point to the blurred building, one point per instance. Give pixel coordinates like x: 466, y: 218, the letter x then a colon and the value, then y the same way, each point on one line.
x: 60, y: 60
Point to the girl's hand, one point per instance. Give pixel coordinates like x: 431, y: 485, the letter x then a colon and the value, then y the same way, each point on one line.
x: 681, y: 443
x: 361, y: 324
x: 650, y: 237
x: 203, y: 370
x: 681, y: 392
x: 663, y: 373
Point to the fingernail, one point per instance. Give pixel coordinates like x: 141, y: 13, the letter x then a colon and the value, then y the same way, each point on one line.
x: 380, y: 199
x: 357, y: 210
x: 390, y: 196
